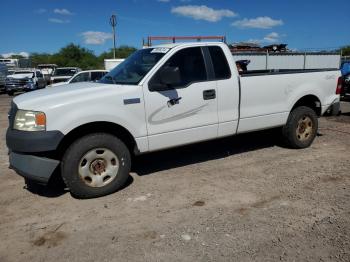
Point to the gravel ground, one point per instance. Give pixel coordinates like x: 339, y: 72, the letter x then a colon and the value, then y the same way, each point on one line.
x: 244, y: 198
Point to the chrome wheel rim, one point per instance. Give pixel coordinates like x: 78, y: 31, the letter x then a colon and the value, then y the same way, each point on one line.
x: 98, y: 167
x: 304, y: 128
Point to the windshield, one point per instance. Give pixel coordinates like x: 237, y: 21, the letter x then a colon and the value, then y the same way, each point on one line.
x: 65, y: 72
x: 135, y: 67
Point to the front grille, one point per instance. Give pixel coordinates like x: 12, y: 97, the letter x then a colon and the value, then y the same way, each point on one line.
x: 16, y: 82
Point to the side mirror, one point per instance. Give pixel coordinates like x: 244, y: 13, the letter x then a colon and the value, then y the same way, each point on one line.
x: 165, y: 79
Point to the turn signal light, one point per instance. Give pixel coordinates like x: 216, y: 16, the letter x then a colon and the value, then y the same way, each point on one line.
x: 40, y: 119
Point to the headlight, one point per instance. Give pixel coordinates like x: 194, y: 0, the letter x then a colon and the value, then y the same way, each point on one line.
x: 30, y: 121
x: 30, y: 80
x: 30, y: 85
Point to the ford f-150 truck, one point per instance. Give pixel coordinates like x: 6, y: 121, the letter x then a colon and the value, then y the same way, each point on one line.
x: 158, y: 98
x: 24, y: 80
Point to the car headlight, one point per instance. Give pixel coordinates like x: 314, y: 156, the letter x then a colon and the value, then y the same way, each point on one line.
x: 30, y: 85
x: 30, y: 121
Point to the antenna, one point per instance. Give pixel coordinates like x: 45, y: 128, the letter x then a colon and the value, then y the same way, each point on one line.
x: 113, y: 23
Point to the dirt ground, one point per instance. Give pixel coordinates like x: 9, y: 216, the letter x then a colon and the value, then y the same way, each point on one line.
x: 244, y: 198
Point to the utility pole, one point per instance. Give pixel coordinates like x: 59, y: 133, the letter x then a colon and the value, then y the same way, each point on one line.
x: 113, y: 23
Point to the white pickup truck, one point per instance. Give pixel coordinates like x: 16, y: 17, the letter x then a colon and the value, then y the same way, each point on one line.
x: 160, y: 97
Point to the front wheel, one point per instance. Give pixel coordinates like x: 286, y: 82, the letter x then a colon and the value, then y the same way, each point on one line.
x: 96, y: 165
x: 301, y: 127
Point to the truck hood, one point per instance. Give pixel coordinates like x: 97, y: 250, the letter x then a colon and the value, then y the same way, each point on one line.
x: 43, y: 99
x: 20, y: 76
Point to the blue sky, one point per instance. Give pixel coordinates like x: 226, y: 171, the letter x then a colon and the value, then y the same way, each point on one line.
x: 46, y: 26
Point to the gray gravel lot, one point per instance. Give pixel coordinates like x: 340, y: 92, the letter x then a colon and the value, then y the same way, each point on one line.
x: 244, y: 198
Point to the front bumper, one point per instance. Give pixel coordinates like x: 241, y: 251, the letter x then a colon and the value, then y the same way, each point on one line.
x: 35, y: 168
x: 13, y: 88
x: 29, y: 151
x: 32, y: 142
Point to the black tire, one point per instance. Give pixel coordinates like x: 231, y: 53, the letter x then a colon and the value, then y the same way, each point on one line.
x: 72, y: 162
x: 10, y: 93
x: 293, y: 130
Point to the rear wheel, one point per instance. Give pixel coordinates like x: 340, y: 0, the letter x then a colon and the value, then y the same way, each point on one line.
x: 301, y: 128
x: 96, y: 165
x: 10, y: 93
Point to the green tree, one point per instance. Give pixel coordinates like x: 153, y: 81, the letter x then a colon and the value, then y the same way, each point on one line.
x: 346, y: 50
x: 120, y: 52
x: 75, y: 55
x: 40, y: 58
x: 17, y: 56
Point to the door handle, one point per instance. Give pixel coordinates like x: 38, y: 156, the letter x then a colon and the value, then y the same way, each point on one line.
x: 173, y: 101
x: 209, y: 94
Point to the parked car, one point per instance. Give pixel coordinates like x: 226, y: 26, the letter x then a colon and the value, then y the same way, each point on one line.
x: 3, y: 74
x: 63, y: 74
x: 84, y: 76
x: 47, y: 70
x: 10, y: 71
x: 24, y: 80
x: 158, y: 98
x: 345, y: 70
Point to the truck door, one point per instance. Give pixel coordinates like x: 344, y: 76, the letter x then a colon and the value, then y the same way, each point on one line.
x: 183, y: 112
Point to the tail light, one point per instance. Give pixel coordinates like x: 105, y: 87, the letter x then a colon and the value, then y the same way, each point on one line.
x: 339, y: 86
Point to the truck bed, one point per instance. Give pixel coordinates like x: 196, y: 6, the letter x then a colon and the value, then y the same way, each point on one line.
x: 267, y: 96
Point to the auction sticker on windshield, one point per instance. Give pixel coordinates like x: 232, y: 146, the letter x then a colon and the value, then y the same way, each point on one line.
x: 162, y: 50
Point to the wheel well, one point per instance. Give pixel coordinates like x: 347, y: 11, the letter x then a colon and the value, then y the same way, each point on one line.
x: 310, y: 101
x: 97, y: 127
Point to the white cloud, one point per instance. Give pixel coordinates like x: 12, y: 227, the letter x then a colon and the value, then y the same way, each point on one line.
x: 202, y: 12
x: 263, y: 22
x: 272, y: 37
x: 95, y: 38
x: 7, y: 55
x: 163, y: 1
x: 40, y: 11
x: 253, y: 41
x: 58, y: 21
x: 62, y: 11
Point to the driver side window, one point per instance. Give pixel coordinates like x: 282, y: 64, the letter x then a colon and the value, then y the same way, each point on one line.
x: 191, y: 67
x: 83, y: 77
